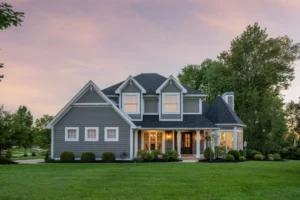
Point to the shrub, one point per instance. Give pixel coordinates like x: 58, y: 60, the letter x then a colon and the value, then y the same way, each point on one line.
x: 270, y: 158
x: 259, y: 156
x: 229, y: 157
x: 138, y: 160
x: 149, y: 157
x: 165, y: 157
x: 270, y: 155
x: 155, y: 154
x: 123, y: 155
x: 220, y: 151
x: 47, y: 157
x: 208, y: 153
x: 142, y: 154
x: 88, y: 156
x: 173, y: 155
x: 108, y: 157
x: 236, y: 154
x: 67, y: 156
x: 25, y: 155
x: 242, y: 158
x: 276, y: 156
x: 253, y: 153
x: 8, y: 154
x: 241, y: 152
x: 33, y: 154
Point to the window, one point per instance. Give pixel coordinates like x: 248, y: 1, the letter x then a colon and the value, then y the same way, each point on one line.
x: 239, y: 140
x: 71, y: 134
x: 111, y: 134
x: 226, y: 140
x: 170, y: 103
x: 91, y: 134
x: 131, y: 103
x: 153, y: 140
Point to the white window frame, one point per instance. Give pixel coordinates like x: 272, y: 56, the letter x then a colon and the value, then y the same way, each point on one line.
x: 86, y: 129
x: 71, y: 139
x: 111, y: 140
x: 178, y: 102
x: 138, y: 96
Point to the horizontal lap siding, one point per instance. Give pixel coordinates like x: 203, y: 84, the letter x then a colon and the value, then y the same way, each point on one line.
x: 91, y: 97
x: 151, y: 105
x: 190, y: 105
x: 91, y: 117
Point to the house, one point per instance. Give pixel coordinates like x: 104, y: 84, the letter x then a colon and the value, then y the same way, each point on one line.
x: 149, y: 112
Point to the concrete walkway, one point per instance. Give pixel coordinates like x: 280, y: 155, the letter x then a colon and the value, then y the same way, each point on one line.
x: 32, y: 161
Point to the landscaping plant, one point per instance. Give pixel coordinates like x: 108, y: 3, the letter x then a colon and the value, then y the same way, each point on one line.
x: 208, y: 153
x: 108, y: 157
x: 236, y: 154
x: 67, y: 156
x: 229, y: 157
x: 88, y: 156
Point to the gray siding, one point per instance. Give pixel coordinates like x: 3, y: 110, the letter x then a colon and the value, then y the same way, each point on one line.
x: 131, y: 88
x: 171, y: 88
x: 91, y: 117
x: 151, y: 105
x: 190, y: 105
x: 91, y: 97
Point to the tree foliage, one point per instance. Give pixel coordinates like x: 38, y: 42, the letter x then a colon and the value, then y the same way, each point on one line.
x: 6, y: 129
x: 42, y: 136
x: 256, y: 68
x: 292, y: 110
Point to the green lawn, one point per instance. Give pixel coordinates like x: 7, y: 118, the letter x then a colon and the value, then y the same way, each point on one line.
x: 248, y: 180
x: 29, y: 157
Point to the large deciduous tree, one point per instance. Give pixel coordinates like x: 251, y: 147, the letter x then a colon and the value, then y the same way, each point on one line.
x: 42, y: 136
x: 9, y: 17
x: 6, y: 129
x: 256, y: 68
x: 292, y: 110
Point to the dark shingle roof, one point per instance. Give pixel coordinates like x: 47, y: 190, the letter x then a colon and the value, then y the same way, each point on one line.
x: 189, y: 121
x: 150, y: 82
x: 219, y: 112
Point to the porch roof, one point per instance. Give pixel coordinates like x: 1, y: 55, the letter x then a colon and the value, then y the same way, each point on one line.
x: 189, y: 121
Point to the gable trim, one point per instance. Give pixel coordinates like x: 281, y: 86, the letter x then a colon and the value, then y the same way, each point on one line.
x: 183, y: 90
x: 130, y: 78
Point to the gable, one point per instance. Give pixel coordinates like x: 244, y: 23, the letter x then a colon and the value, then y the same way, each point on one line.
x: 171, y: 87
x: 131, y: 88
x: 90, y: 96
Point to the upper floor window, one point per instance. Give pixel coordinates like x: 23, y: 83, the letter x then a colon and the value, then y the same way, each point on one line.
x: 170, y: 103
x: 131, y: 103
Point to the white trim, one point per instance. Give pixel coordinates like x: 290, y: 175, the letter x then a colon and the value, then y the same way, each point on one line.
x: 164, y: 94
x: 131, y: 142
x: 231, y: 125
x: 91, y: 104
x: 173, y: 140
x: 67, y: 107
x: 71, y: 139
x: 196, y: 95
x: 163, y: 141
x: 181, y: 105
x: 119, y: 89
x: 52, y: 142
x: 200, y: 106
x: 167, y: 81
x: 86, y: 129
x: 234, y: 137
x: 179, y: 143
x: 117, y: 134
x: 142, y: 140
x: 112, y: 95
x: 182, y: 128
x: 197, y: 143
x: 138, y: 96
x: 150, y: 113
x: 136, y: 132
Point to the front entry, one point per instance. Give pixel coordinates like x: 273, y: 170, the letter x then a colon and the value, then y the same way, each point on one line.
x: 186, y: 143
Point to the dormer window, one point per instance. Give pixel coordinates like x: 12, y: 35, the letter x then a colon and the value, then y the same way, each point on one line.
x: 170, y: 103
x: 131, y: 103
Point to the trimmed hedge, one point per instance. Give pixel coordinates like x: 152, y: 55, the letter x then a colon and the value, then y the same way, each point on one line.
x: 108, y: 157
x: 276, y: 156
x: 236, y: 154
x: 88, y: 156
x: 258, y: 157
x: 208, y: 153
x: 229, y: 157
x: 242, y: 158
x: 67, y: 156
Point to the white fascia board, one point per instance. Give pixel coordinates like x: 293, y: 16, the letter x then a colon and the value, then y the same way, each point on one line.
x: 119, y: 89
x: 170, y: 128
x: 243, y: 125
x: 195, y: 95
x: 183, y: 90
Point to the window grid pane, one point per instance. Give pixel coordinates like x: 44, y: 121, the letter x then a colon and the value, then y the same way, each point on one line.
x: 111, y: 134
x: 91, y: 134
x: 72, y: 133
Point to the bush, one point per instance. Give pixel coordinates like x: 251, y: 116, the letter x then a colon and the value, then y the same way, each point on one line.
x: 208, y: 153
x: 241, y: 152
x: 33, y: 154
x: 149, y: 157
x: 270, y: 158
x: 165, y: 157
x: 67, y: 156
x: 259, y: 157
x: 123, y: 155
x: 138, y: 160
x: 8, y: 154
x: 25, y: 155
x: 173, y: 155
x: 142, y: 154
x: 220, y: 151
x: 276, y: 156
x: 47, y: 157
x: 270, y: 155
x: 229, y: 157
x: 88, y: 157
x: 155, y: 154
x: 108, y: 157
x: 236, y: 154
x: 242, y: 158
x: 253, y: 153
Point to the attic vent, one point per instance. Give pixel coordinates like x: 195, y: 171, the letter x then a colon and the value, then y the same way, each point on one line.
x: 130, y: 82
x: 91, y: 88
x: 171, y: 82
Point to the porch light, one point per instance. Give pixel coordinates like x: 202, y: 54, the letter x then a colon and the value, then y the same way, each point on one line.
x: 168, y: 136
x: 245, y: 143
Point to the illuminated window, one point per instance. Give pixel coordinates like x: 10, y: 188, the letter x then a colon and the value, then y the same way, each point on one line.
x: 111, y: 134
x: 91, y: 134
x: 153, y: 140
x: 71, y: 134
x: 131, y: 103
x: 226, y: 140
x: 239, y: 140
x: 170, y: 103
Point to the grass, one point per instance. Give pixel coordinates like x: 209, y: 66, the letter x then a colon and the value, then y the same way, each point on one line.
x: 29, y: 157
x: 18, y: 154
x: 248, y: 180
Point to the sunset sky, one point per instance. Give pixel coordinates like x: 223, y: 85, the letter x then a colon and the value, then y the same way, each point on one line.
x: 63, y: 44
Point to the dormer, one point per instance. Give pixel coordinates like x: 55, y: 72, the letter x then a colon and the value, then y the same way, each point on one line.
x: 130, y: 98
x: 229, y: 99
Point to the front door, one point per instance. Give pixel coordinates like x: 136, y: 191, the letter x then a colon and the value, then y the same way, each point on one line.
x: 186, y: 143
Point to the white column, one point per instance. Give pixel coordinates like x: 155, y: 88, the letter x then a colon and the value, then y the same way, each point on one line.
x: 219, y: 138
x: 204, y: 144
x: 135, y: 142
x: 198, y: 144
x: 234, y: 146
x: 179, y: 143
x: 173, y: 139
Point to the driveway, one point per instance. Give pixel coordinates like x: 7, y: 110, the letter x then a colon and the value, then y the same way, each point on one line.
x: 33, y: 161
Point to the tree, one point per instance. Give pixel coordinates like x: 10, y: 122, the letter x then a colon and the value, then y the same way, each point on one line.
x: 9, y: 17
x: 42, y: 136
x: 23, y: 133
x: 256, y: 68
x: 6, y: 130
x: 292, y: 110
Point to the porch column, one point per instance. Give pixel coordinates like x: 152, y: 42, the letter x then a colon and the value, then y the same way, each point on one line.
x: 135, y: 142
x: 234, y: 146
x: 218, y: 138
x: 198, y: 144
x: 204, y: 143
x: 179, y: 143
